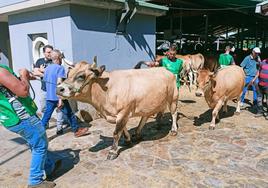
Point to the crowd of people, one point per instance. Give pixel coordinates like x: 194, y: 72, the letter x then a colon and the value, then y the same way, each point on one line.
x: 18, y: 110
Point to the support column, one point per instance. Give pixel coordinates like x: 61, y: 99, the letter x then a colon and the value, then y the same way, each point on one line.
x: 237, y: 38
x: 206, y: 31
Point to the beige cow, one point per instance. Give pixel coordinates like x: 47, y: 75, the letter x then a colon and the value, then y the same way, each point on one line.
x: 119, y: 95
x: 218, y: 88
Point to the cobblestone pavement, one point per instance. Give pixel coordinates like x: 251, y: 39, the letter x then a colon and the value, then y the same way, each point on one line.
x: 235, y: 154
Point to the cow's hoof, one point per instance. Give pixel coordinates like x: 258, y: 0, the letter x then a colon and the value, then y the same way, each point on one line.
x: 237, y: 113
x: 211, y: 127
x: 173, y: 133
x: 112, y: 155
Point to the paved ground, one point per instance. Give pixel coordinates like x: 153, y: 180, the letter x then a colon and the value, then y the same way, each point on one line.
x: 235, y: 154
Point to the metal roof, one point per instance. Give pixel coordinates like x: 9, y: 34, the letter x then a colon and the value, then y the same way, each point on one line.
x: 29, y: 5
x: 223, y: 16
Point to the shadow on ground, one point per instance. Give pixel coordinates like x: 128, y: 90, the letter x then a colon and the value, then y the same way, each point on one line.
x: 69, y: 158
x: 207, y: 116
x: 151, y: 131
x: 188, y: 101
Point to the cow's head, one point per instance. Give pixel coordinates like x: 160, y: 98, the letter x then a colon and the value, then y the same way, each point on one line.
x: 78, y: 77
x: 205, y: 79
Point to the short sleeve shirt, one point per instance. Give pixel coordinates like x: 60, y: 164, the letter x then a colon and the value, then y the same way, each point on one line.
x: 52, y: 73
x: 226, y: 59
x: 173, y: 66
x: 250, y: 66
x: 38, y: 64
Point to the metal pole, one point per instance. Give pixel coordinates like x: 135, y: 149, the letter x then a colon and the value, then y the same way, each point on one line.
x: 180, y: 31
x: 206, y: 31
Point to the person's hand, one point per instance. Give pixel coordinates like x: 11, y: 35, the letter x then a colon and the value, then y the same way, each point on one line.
x: 24, y: 73
x: 32, y: 76
x: 60, y: 104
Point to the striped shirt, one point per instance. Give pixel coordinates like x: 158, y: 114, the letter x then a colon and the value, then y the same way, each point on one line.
x: 15, y: 103
x: 263, y: 76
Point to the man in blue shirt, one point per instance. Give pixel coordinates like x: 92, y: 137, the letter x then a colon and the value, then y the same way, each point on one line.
x: 250, y: 66
x: 53, y: 75
x: 39, y: 69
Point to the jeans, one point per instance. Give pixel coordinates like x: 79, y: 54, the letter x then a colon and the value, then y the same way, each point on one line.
x: 254, y: 89
x: 66, y: 109
x: 60, y: 116
x: 34, y: 133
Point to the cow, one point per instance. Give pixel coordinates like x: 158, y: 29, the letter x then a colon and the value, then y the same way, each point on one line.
x: 226, y: 84
x: 121, y: 94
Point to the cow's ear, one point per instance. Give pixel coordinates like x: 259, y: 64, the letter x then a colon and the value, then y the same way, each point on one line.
x: 98, y: 72
x: 102, y: 68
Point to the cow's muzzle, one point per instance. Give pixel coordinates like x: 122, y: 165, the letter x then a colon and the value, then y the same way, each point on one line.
x: 199, y: 93
x: 60, y: 90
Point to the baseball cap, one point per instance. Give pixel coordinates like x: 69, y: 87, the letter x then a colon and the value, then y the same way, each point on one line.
x: 257, y: 50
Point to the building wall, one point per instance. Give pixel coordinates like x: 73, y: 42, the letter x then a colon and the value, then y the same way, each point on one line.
x: 4, y: 44
x: 81, y: 33
x: 93, y: 33
x: 54, y: 22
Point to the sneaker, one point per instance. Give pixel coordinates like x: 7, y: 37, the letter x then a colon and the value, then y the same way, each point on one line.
x: 59, y: 132
x: 44, y: 184
x: 241, y: 104
x: 82, y: 131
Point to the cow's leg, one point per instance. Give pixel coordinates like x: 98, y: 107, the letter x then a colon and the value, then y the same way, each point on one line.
x: 195, y: 78
x: 191, y: 77
x: 215, y: 113
x: 159, y: 117
x: 225, y: 107
x: 174, y: 113
x: 120, y: 125
x: 237, y: 111
x: 139, y: 128
x: 127, y: 136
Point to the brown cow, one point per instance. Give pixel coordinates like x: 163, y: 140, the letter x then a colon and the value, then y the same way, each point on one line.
x: 219, y: 87
x: 121, y: 94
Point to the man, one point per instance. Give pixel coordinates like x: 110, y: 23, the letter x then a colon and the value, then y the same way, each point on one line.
x: 250, y: 66
x: 39, y: 69
x: 226, y: 58
x: 53, y: 75
x: 263, y: 85
x: 171, y: 63
x: 18, y: 114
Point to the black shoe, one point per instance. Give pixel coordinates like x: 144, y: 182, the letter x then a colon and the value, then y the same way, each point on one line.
x: 59, y: 132
x: 44, y: 184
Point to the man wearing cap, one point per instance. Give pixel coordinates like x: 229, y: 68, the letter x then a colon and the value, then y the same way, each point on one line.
x: 250, y: 66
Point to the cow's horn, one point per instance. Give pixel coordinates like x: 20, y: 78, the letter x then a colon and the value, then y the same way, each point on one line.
x: 94, y: 65
x: 67, y: 62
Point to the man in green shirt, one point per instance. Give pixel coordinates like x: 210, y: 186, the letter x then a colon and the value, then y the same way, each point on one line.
x: 226, y: 58
x: 18, y: 114
x: 171, y: 63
